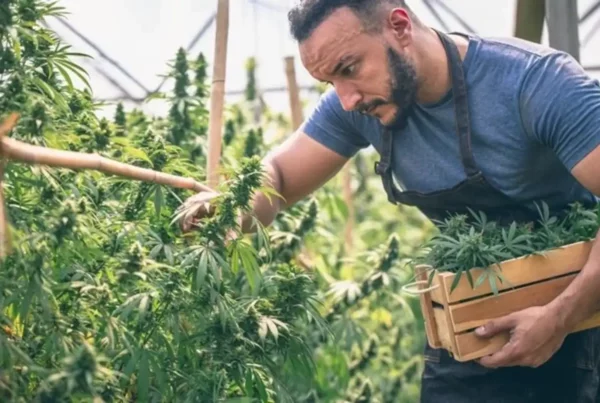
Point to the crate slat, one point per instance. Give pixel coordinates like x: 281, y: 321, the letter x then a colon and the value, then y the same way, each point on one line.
x: 431, y: 327
x: 521, y: 271
x: 469, y: 315
x: 470, y: 346
x: 451, y: 317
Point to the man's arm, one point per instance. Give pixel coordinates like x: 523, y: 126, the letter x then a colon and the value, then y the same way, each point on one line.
x: 560, y: 106
x: 296, y: 168
x: 300, y: 165
x: 581, y: 298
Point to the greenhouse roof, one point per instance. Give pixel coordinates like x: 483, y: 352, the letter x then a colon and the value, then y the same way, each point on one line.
x: 131, y: 42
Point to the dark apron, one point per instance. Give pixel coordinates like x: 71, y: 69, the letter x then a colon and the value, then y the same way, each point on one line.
x: 572, y: 374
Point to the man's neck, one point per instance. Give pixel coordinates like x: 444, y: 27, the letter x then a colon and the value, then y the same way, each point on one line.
x: 435, y: 80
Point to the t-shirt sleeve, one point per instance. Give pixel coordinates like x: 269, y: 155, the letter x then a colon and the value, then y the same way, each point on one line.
x: 560, y: 107
x: 333, y: 127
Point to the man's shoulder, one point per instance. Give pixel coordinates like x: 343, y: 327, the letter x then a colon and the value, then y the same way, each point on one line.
x: 508, y: 64
x: 508, y: 47
x: 513, y: 54
x: 340, y: 130
x: 330, y: 107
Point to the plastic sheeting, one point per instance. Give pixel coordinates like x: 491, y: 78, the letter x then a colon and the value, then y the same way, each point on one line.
x: 143, y: 36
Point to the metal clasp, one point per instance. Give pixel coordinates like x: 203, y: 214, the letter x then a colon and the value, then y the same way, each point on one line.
x: 380, y: 168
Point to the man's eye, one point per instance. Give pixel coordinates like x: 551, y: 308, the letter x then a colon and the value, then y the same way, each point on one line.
x: 346, y: 71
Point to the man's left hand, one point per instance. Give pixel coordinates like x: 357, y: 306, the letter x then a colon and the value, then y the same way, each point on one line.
x: 535, y: 335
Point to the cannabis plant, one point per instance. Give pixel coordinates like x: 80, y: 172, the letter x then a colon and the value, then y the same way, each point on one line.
x: 103, y: 298
x: 465, y: 242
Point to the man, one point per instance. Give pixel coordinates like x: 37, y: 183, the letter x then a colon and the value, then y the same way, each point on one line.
x: 460, y: 121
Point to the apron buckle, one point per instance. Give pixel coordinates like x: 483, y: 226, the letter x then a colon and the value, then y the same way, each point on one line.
x: 380, y: 168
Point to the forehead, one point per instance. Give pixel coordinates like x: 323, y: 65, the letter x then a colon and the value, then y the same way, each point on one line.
x: 337, y: 34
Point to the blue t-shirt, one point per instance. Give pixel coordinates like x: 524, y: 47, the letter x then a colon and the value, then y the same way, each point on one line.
x: 534, y: 113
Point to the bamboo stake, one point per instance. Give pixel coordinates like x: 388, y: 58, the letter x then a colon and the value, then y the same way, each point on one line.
x: 294, y: 93
x: 5, y: 240
x: 15, y: 150
x: 347, y: 192
x: 217, y: 93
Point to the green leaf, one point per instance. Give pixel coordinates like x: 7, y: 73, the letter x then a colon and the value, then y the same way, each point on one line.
x: 273, y: 328
x: 481, y: 278
x: 143, y: 307
x: 262, y: 329
x: 158, y: 200
x: 234, y: 257
x: 493, y: 285
x: 144, y: 378
x: 17, y: 48
x: 262, y: 389
x: 161, y: 377
x: 456, y: 280
x: 169, y: 254
x: 137, y: 153
x: 156, y: 250
x: 201, y: 270
x: 26, y: 304
x: 249, y: 385
x: 470, y: 278
x: 131, y: 364
x: 65, y: 75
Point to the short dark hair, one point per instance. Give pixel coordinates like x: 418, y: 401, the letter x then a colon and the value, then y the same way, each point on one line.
x: 307, y: 15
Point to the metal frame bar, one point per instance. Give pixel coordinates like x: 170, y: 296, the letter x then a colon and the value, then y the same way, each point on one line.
x: 590, y: 11
x: 563, y: 26
x: 436, y: 15
x: 307, y: 88
x: 102, y: 53
x: 469, y: 28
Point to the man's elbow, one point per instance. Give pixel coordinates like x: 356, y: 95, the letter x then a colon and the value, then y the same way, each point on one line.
x: 587, y: 171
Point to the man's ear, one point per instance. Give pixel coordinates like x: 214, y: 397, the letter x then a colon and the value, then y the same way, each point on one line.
x: 400, y: 23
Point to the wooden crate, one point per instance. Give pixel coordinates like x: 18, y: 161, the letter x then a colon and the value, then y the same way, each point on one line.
x: 451, y: 317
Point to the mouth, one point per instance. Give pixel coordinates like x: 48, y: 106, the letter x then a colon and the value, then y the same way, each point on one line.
x: 370, y: 110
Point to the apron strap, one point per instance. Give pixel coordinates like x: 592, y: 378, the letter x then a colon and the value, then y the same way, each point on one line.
x: 463, y: 124
x: 383, y: 167
x: 461, y: 105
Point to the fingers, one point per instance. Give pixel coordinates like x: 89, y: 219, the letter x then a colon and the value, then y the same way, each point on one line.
x: 507, y: 354
x: 8, y: 124
x: 495, y: 326
x: 504, y: 357
x: 194, y: 208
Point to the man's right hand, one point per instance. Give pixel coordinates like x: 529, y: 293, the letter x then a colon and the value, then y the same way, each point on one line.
x: 296, y: 168
x: 195, y: 208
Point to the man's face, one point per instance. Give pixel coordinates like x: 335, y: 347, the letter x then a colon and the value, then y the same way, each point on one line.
x: 368, y: 74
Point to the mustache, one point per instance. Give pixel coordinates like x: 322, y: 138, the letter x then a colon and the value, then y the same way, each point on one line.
x: 363, y: 108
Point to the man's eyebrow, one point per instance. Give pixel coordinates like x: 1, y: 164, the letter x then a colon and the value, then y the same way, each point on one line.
x: 340, y: 64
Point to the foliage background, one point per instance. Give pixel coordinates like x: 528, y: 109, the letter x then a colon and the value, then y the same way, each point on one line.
x: 104, y: 299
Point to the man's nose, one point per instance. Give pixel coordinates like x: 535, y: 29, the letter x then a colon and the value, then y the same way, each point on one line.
x: 350, y: 98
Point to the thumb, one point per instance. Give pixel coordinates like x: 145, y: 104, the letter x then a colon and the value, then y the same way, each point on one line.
x: 495, y: 326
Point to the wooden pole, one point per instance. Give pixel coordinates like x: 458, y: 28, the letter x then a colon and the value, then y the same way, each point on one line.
x: 15, y: 150
x: 217, y: 93
x: 294, y: 93
x: 347, y: 192
x: 529, y: 20
x: 562, y: 18
x: 5, y: 243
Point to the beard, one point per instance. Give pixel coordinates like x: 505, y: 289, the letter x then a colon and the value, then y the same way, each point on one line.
x: 403, y: 86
